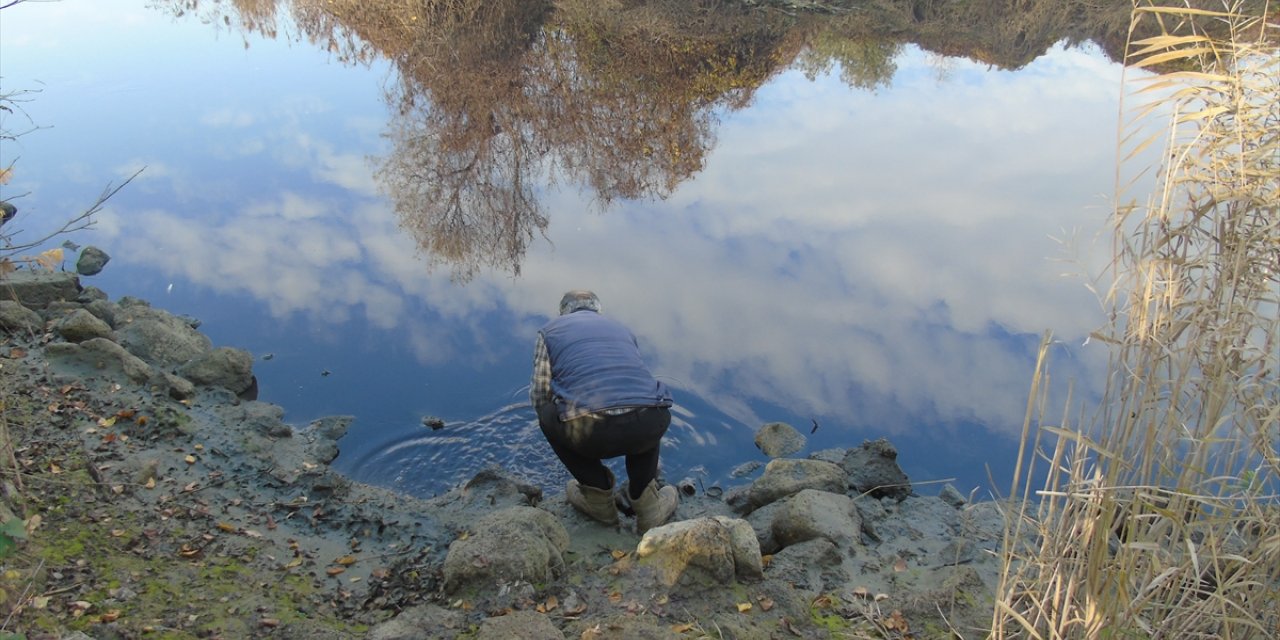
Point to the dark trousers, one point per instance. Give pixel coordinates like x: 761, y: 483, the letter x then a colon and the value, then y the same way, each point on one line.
x: 581, y: 444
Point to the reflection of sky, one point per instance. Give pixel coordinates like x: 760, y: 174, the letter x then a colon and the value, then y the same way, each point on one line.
x: 881, y: 263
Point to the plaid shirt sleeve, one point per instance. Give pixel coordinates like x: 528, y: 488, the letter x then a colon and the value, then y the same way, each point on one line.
x: 540, y: 386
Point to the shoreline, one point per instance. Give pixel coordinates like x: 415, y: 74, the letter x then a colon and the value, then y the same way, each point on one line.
x: 186, y: 476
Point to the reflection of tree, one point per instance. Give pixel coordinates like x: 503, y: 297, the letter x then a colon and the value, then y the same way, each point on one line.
x: 498, y: 98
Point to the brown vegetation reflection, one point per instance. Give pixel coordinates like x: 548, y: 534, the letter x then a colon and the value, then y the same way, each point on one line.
x: 499, y: 100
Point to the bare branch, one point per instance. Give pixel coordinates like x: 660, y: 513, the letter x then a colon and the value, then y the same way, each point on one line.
x: 80, y: 222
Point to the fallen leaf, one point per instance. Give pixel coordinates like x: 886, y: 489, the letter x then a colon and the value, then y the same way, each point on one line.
x: 142, y: 421
x: 744, y: 607
x: 118, y: 533
x: 227, y: 527
x: 881, y: 596
x: 17, y: 352
x: 681, y: 628
x: 861, y: 592
x: 896, y: 622
x: 54, y: 469
x: 251, y: 533
x: 110, y: 616
x: 190, y: 459
x: 269, y: 623
x: 552, y: 603
x: 766, y: 559
x: 333, y: 571
x: 345, y: 561
x: 786, y: 624
x: 900, y: 565
x: 618, y: 554
x: 615, y: 597
x: 766, y: 603
x: 592, y: 633
x: 107, y: 422
x: 151, y: 483
x: 293, y: 563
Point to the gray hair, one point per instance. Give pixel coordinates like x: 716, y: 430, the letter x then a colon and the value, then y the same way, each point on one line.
x: 577, y: 300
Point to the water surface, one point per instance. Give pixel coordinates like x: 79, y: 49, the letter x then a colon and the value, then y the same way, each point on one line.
x: 861, y: 246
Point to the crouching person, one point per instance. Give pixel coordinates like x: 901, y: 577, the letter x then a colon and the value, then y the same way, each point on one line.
x: 595, y: 400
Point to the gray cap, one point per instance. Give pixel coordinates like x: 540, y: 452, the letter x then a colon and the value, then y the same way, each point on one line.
x: 577, y: 300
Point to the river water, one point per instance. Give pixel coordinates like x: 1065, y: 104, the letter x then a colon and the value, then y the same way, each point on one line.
x: 862, y: 246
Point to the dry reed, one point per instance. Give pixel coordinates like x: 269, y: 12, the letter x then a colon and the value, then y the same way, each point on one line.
x: 1159, y: 517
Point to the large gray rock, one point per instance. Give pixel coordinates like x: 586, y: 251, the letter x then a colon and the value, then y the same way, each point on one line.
x: 492, y: 487
x: 262, y: 417
x: 158, y: 337
x: 423, y: 622
x: 97, y: 356
x: 524, y: 543
x: 702, y: 550
x: 814, y: 514
x: 519, y: 625
x: 35, y: 290
x: 785, y: 476
x: 91, y: 261
x: 80, y: 325
x: 15, y: 317
x: 814, y: 565
x: 873, y: 469
x: 778, y: 439
x: 225, y: 367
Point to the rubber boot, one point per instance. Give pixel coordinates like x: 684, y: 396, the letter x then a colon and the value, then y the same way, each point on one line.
x: 595, y: 503
x: 654, y: 506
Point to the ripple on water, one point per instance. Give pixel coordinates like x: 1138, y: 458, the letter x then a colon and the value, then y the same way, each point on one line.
x: 426, y: 463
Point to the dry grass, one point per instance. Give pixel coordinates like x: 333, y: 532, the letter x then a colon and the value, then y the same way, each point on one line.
x: 1159, y: 517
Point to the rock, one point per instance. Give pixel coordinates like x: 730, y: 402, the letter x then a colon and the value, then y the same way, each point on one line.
x: 15, y: 317
x: 807, y: 565
x: 812, y: 514
x: 157, y: 336
x: 104, y: 310
x: 36, y: 290
x: 784, y: 477
x: 627, y: 626
x: 952, y: 496
x: 519, y: 625
x: 873, y: 469
x: 92, y: 294
x: 746, y: 468
x: 524, y: 543
x: 715, y: 549
x: 263, y: 418
x: 91, y: 261
x: 178, y: 388
x: 330, y: 427
x: 97, y: 356
x: 80, y: 325
x: 778, y: 439
x: 423, y: 622
x: 492, y: 487
x: 225, y: 367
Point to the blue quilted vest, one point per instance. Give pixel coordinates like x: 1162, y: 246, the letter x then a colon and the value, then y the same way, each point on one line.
x: 596, y: 365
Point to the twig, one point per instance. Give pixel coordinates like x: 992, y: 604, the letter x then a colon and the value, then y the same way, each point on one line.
x: 81, y: 221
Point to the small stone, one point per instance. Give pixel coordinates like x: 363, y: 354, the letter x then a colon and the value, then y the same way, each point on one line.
x: 953, y: 497
x: 91, y: 261
x: 778, y: 439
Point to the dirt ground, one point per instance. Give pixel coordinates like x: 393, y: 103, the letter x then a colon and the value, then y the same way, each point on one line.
x: 149, y: 517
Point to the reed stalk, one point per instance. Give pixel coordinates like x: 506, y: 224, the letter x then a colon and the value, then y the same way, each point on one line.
x: 1159, y: 516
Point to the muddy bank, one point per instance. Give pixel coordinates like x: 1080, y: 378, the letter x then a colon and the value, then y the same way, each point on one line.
x: 164, y: 500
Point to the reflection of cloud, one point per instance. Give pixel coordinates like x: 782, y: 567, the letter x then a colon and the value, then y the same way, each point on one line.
x: 879, y: 257
x: 229, y: 118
